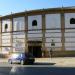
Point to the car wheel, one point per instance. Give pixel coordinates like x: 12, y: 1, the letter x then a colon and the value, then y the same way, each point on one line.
x: 22, y: 62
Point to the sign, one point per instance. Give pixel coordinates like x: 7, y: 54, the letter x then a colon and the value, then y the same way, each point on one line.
x: 52, y: 43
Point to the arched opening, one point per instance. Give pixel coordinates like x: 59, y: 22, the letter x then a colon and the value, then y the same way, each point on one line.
x: 6, y: 27
x: 72, y: 21
x: 34, y: 23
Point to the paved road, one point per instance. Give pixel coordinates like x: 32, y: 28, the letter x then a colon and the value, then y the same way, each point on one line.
x: 39, y: 69
x: 54, y: 66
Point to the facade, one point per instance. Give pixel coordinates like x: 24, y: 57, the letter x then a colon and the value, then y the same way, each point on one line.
x: 34, y: 31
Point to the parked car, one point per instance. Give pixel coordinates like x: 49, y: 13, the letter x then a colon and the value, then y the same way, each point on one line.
x: 22, y: 58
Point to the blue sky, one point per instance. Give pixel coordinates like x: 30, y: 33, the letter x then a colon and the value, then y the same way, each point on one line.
x: 8, y: 6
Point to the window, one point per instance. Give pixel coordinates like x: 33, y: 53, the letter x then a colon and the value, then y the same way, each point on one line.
x: 34, y: 23
x: 72, y: 21
x: 6, y: 27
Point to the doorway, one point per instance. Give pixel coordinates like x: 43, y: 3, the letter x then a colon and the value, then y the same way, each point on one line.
x: 35, y: 49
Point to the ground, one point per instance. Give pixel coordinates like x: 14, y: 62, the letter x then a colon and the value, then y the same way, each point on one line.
x: 42, y: 66
x: 58, y: 61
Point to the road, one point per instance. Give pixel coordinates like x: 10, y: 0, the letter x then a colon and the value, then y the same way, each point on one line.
x: 36, y: 69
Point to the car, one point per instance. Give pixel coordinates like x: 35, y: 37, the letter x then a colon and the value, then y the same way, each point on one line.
x: 22, y: 58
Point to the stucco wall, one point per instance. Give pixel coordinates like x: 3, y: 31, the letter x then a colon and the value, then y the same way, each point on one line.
x: 37, y: 33
x: 6, y: 37
x: 53, y: 21
x: 19, y: 23
x: 7, y: 21
x: 19, y: 36
x: 70, y: 33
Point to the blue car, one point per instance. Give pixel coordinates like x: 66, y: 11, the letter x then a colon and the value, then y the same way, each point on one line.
x: 22, y: 58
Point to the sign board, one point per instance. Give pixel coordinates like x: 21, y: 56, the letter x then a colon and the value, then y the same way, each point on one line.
x: 52, y: 44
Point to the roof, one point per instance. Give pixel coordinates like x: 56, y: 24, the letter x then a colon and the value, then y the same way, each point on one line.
x: 52, y: 10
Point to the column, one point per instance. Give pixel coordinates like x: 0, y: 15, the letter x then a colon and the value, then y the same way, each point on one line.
x: 62, y: 31
x: 26, y: 33
x: 0, y: 34
x: 11, y: 33
x: 43, y: 37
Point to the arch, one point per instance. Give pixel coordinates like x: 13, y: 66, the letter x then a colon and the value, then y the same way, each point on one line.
x: 72, y: 21
x: 6, y: 26
x: 34, y: 23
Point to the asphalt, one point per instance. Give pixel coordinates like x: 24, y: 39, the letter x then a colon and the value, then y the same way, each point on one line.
x: 58, y: 62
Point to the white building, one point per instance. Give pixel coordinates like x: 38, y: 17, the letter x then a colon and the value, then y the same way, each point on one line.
x: 33, y: 31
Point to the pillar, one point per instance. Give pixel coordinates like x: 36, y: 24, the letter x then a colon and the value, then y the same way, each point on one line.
x: 43, y: 37
x: 26, y: 33
x: 11, y: 33
x: 62, y: 31
x: 0, y: 35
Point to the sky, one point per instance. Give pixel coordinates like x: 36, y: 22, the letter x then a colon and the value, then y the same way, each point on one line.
x: 14, y: 6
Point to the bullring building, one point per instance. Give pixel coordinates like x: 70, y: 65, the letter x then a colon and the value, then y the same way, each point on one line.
x: 34, y: 31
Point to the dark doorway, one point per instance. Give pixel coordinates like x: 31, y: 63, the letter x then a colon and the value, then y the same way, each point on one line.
x: 35, y: 50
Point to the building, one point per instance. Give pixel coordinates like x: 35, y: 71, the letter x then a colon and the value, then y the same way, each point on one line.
x: 34, y: 31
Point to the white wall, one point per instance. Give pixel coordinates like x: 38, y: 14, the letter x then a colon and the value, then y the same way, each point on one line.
x: 68, y: 16
x: 70, y: 37
x: 53, y: 21
x: 38, y: 18
x: 6, y: 39
x: 18, y: 41
x: 18, y: 23
x: 7, y: 21
x: 6, y: 36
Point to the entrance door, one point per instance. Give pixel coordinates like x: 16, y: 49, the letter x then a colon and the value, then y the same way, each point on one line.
x: 35, y: 50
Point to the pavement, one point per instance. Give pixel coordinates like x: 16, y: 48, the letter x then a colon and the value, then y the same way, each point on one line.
x: 3, y: 60
x: 58, y: 61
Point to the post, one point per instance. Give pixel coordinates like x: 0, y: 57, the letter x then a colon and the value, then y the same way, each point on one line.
x: 11, y: 32
x: 26, y: 33
x: 62, y: 31
x: 0, y: 34
x: 43, y: 38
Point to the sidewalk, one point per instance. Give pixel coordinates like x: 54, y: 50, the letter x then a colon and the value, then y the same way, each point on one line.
x: 59, y: 61
x: 3, y: 60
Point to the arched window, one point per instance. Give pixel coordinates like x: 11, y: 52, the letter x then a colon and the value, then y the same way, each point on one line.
x: 34, y: 23
x: 72, y: 21
x: 6, y: 27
